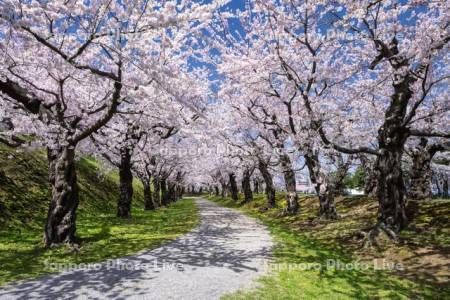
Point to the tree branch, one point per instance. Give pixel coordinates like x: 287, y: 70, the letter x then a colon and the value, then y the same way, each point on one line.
x: 415, y: 132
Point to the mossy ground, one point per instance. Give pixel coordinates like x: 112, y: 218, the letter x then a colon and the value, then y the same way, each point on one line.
x: 24, y: 198
x: 302, y: 241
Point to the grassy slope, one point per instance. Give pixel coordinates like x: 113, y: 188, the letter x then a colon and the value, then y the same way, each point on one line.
x: 24, y: 197
x: 302, y: 240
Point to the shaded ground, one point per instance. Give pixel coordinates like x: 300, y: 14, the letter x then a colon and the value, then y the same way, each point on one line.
x: 423, y: 248
x: 226, y: 252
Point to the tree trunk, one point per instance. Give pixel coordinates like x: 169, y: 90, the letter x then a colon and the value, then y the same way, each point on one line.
x: 390, y: 192
x: 178, y: 190
x: 61, y: 217
x: 445, y: 186
x: 392, y: 137
x: 256, y: 185
x: 270, y: 191
x: 164, y: 193
x: 290, y: 184
x: 171, y: 192
x: 216, y: 189
x: 156, y: 191
x: 370, y: 180
x: 421, y: 172
x: 327, y: 209
x: 233, y: 187
x: 246, y: 187
x: 148, y: 201
x: 126, y: 184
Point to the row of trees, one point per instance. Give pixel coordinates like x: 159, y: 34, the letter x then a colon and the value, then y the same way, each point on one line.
x: 328, y: 84
x: 209, y: 95
x: 109, y: 78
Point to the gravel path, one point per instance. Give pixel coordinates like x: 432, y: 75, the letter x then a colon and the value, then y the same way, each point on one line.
x: 225, y: 253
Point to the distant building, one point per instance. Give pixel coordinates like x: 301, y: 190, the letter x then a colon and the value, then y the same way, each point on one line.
x: 354, y: 192
x: 304, y: 185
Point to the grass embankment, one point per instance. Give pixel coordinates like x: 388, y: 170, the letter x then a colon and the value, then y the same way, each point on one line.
x: 24, y: 198
x: 301, y: 268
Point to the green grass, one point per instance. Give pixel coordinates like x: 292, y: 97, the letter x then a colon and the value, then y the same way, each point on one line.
x: 25, y: 192
x: 103, y: 236
x: 296, y: 249
x: 24, y: 198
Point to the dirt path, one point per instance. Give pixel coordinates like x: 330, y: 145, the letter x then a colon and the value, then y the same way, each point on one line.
x: 225, y: 253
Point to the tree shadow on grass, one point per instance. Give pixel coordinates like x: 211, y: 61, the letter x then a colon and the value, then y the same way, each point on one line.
x: 362, y: 282
x: 225, y: 249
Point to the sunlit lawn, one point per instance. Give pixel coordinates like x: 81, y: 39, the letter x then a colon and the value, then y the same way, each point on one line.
x: 103, y: 236
x: 293, y: 275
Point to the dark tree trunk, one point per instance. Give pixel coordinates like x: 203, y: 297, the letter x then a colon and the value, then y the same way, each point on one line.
x: 156, y: 191
x: 178, y: 192
x: 392, y: 137
x: 233, y: 187
x: 61, y: 217
x: 256, y: 185
x: 435, y: 179
x: 421, y: 172
x: 290, y: 184
x: 216, y: 189
x: 445, y: 186
x: 370, y: 184
x: 171, y: 192
x: 270, y: 190
x: 126, y: 184
x: 148, y: 199
x: 246, y: 187
x: 164, y: 193
x: 370, y: 180
x: 327, y: 209
x: 388, y: 165
x: 390, y: 192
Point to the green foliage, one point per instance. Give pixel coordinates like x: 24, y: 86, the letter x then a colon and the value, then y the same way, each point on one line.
x: 355, y: 180
x: 24, y: 196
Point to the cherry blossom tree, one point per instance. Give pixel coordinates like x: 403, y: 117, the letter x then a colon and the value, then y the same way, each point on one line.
x: 361, y: 76
x: 422, y: 155
x: 67, y: 67
x: 401, y: 64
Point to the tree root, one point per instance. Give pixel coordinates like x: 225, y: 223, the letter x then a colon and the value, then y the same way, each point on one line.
x: 372, y: 236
